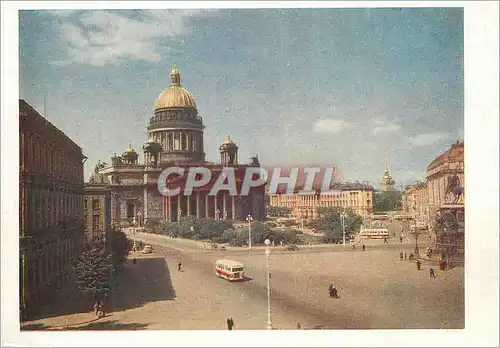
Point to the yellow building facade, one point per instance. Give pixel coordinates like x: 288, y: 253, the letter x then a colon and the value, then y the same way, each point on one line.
x: 415, y: 202
x: 97, y: 207
x: 355, y: 197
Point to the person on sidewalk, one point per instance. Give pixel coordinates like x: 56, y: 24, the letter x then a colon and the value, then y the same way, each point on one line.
x: 96, y: 309
x: 385, y: 241
x: 363, y: 247
x: 179, y: 265
x: 230, y: 323
x: 419, y: 264
x: 401, y: 256
x: 401, y: 239
x: 432, y: 274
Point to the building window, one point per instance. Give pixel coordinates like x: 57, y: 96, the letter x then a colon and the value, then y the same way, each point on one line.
x: 96, y: 204
x: 95, y: 222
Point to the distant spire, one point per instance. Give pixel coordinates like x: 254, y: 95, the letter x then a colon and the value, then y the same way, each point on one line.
x: 386, y: 167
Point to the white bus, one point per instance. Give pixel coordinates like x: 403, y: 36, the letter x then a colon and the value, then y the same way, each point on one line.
x: 229, y: 269
x: 374, y: 233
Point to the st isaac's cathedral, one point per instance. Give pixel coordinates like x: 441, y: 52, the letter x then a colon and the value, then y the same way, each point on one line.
x: 176, y: 139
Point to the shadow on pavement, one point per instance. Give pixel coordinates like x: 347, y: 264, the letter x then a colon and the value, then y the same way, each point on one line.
x: 148, y: 280
x: 95, y: 325
x: 35, y: 327
x: 109, y: 325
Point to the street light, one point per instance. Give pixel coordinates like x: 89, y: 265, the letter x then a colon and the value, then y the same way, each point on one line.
x: 249, y: 220
x: 342, y: 217
x: 268, y: 252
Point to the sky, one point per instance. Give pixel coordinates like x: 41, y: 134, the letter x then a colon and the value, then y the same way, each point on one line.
x: 333, y: 87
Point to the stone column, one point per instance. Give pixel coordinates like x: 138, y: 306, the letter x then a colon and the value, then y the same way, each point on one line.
x: 169, y: 208
x: 177, y: 212
x: 233, y: 208
x: 197, y: 205
x: 224, y: 204
x: 145, y: 205
x: 215, y: 208
x: 188, y: 205
x: 206, y: 206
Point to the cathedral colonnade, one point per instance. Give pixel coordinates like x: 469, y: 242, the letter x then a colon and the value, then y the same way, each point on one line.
x: 222, y: 206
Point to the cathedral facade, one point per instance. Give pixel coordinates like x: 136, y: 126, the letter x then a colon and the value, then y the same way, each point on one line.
x: 176, y: 140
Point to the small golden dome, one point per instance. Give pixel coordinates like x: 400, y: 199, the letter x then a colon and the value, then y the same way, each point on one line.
x: 130, y: 151
x: 228, y: 141
x: 175, y: 96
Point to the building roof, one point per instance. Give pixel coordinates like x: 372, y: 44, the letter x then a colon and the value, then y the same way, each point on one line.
x: 456, y: 150
x: 27, y: 114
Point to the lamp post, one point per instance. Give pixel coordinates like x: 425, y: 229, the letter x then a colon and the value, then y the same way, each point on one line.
x: 268, y: 252
x: 179, y: 215
x: 249, y: 220
x: 342, y: 217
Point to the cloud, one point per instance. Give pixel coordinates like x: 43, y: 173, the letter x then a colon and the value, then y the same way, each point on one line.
x: 383, y: 125
x: 328, y: 125
x: 427, y: 139
x: 102, y: 37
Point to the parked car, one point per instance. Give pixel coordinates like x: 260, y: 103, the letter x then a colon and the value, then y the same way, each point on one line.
x: 291, y: 247
x: 148, y: 249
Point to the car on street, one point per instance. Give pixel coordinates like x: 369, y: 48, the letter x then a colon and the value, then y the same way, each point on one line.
x: 291, y: 247
x: 148, y: 249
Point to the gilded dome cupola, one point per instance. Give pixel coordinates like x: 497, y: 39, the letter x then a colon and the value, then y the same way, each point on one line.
x: 228, y: 152
x: 175, y: 96
x: 130, y: 156
x: 176, y: 125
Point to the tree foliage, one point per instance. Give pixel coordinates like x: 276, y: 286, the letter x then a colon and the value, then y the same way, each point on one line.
x: 330, y: 223
x: 118, y: 247
x: 387, y: 201
x: 94, y: 267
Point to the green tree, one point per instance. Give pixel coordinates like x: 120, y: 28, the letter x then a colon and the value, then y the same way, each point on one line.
x: 93, y: 269
x: 118, y: 247
x: 387, y: 201
x: 330, y: 223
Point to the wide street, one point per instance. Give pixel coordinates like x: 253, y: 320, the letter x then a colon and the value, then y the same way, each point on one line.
x: 377, y: 290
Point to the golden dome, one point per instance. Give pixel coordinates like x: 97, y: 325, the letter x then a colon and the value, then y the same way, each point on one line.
x: 129, y: 151
x: 228, y: 141
x: 175, y: 96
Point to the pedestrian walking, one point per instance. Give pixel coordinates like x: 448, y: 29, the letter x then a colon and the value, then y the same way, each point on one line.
x: 230, y: 323
x: 432, y: 274
x: 179, y: 265
x: 96, y: 309
x: 385, y: 241
x: 102, y: 309
x: 401, y: 239
x: 419, y: 264
x: 401, y: 256
x: 363, y: 247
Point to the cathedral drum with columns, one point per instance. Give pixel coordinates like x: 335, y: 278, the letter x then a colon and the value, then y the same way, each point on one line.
x: 176, y: 139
